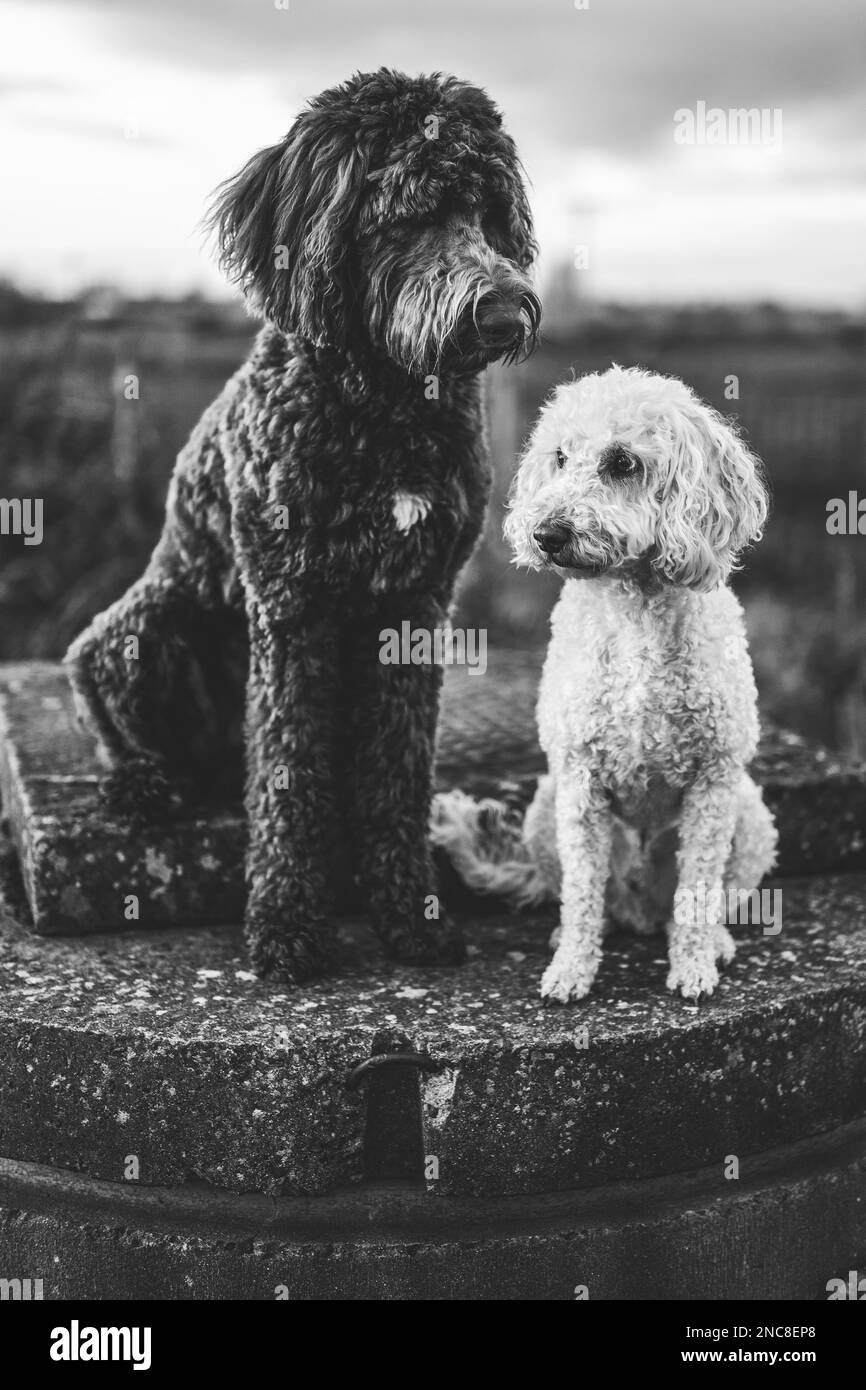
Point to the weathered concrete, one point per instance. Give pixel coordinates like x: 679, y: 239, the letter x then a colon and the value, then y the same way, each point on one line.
x: 635, y: 1082
x: 819, y: 801
x: 562, y: 1147
x: 163, y: 1045
x: 488, y: 745
x: 792, y: 1220
x: 80, y: 866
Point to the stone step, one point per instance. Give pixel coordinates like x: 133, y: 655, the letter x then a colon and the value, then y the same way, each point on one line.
x: 793, y: 1220
x: 164, y: 1047
x: 79, y: 865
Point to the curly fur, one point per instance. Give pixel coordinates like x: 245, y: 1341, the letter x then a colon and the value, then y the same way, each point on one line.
x: 642, y: 498
x: 376, y: 254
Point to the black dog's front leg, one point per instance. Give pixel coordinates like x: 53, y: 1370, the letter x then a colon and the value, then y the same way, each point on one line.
x: 393, y: 730
x: 291, y: 794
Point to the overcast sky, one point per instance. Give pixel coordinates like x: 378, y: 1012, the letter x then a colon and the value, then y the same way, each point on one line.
x: 119, y: 117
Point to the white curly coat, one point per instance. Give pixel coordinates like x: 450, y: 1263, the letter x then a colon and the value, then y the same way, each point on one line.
x: 647, y: 709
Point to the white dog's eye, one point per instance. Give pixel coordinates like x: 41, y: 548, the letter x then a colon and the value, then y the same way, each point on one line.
x: 560, y: 459
x: 616, y: 461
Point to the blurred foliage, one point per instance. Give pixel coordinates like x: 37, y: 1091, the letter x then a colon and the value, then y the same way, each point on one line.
x: 101, y: 463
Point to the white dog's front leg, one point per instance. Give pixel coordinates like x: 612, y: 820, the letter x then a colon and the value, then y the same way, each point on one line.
x: 697, y: 935
x: 583, y: 835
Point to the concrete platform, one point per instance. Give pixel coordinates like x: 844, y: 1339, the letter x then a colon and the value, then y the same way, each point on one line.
x: 794, y: 1219
x: 165, y: 1046
x: 173, y: 1127
x: 79, y: 865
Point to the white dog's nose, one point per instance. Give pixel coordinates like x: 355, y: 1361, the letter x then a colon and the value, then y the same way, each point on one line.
x: 551, y: 536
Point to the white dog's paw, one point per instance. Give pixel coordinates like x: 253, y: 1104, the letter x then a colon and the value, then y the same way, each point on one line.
x: 555, y: 938
x: 724, y: 945
x: 565, y: 981
x: 693, y: 977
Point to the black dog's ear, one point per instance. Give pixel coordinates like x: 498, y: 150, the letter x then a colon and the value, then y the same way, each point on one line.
x: 283, y: 226
x: 508, y: 190
x: 520, y: 228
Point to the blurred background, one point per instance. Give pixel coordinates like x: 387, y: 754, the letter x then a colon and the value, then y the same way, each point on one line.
x: 738, y: 266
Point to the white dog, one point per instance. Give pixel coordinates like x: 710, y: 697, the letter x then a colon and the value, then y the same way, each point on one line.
x: 641, y: 497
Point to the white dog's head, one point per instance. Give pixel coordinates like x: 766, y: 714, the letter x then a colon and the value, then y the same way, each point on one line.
x: 630, y: 472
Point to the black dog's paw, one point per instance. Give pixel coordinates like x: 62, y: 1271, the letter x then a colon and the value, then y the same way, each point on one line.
x: 140, y: 791
x: 292, y: 958
x: 424, y: 942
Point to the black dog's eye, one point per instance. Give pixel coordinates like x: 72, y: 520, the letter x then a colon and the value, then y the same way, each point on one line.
x: 560, y: 459
x: 616, y: 461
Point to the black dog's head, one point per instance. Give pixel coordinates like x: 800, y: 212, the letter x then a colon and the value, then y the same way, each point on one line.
x: 393, y: 211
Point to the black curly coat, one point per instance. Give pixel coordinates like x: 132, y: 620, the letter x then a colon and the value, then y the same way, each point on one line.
x: 386, y: 239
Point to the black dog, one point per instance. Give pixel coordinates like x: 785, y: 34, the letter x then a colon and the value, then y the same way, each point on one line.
x: 334, y: 489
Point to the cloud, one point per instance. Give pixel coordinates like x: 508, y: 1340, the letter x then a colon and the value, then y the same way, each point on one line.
x: 66, y: 124
x: 589, y: 95
x: 610, y: 76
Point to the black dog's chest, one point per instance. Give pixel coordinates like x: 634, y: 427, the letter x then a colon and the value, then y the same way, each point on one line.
x: 397, y: 495
x: 395, y: 527
x: 369, y: 493
x: 354, y: 485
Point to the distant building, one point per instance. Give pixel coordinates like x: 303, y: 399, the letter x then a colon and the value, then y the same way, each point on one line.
x: 101, y: 303
x: 563, y: 299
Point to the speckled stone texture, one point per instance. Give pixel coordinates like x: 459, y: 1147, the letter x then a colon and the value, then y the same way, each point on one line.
x: 79, y: 865
x: 654, y: 1085
x: 165, y: 1046
x: 792, y: 1220
x: 561, y: 1147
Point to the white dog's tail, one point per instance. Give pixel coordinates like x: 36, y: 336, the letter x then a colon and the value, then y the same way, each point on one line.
x: 487, y: 848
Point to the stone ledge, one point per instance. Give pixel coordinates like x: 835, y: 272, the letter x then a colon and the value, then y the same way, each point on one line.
x: 163, y: 1045
x: 794, y: 1219
x: 78, y: 865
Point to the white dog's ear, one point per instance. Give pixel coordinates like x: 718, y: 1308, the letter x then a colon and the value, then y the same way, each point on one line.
x: 714, y: 501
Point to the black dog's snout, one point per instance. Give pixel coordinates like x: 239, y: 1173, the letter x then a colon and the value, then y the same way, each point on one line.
x: 498, y: 320
x: 507, y: 324
x: 551, y: 537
